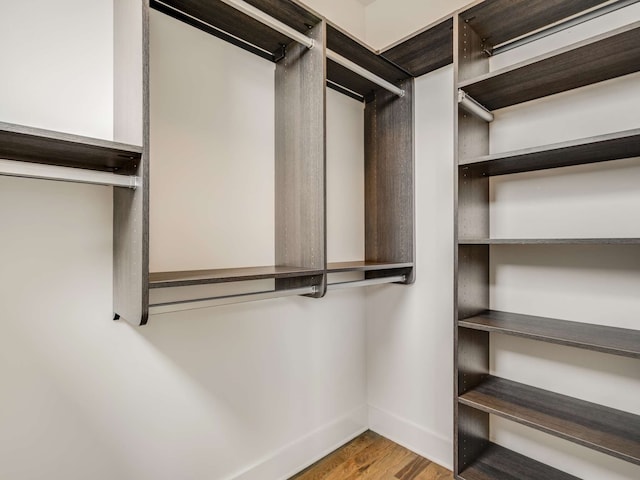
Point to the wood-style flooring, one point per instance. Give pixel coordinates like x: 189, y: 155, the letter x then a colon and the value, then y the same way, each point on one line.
x: 373, y: 457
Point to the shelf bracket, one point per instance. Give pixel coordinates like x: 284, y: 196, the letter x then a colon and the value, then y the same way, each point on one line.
x: 474, y: 107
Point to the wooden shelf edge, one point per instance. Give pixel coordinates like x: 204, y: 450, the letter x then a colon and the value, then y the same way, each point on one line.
x: 203, y: 277
x: 611, y: 340
x: 499, y: 463
x: 594, y: 426
x: 549, y: 241
x: 599, y: 148
x: 363, y: 266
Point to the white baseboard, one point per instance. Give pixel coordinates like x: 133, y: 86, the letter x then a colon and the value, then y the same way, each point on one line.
x: 299, y: 454
x: 418, y: 439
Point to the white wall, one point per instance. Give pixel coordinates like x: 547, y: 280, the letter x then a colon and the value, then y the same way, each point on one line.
x: 254, y: 391
x: 387, y: 21
x: 347, y: 14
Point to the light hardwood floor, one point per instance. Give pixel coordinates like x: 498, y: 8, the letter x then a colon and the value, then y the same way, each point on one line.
x: 373, y: 457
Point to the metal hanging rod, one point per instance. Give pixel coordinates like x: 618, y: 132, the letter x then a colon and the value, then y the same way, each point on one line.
x: 367, y: 283
x: 577, y: 19
x: 268, y: 20
x: 12, y: 168
x: 471, y: 106
x: 227, y: 300
x: 355, y: 68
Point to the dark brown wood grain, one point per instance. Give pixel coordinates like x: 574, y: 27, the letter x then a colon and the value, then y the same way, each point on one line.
x: 610, y: 55
x: 200, y: 277
x: 604, y: 429
x: 617, y: 341
x: 426, y: 51
x: 364, y: 266
x: 131, y: 207
x: 232, y: 22
x: 28, y: 144
x: 499, y: 463
x: 549, y: 241
x: 389, y: 178
x: 600, y: 148
x: 300, y: 158
x: 503, y: 20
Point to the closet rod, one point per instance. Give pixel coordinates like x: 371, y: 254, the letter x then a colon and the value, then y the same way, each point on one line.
x: 367, y: 283
x: 472, y: 106
x: 12, y: 168
x: 355, y: 68
x: 271, y: 22
x: 180, y: 306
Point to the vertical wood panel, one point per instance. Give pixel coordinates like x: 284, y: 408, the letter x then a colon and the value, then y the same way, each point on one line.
x: 389, y: 178
x: 300, y: 108
x: 131, y: 207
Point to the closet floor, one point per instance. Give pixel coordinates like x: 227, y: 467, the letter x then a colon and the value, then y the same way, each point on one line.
x: 373, y: 457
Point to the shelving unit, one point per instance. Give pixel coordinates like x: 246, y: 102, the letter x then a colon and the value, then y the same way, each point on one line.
x: 478, y: 30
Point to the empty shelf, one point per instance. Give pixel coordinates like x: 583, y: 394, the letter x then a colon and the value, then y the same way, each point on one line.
x: 617, y: 341
x: 612, y: 146
x: 499, y: 21
x: 36, y: 145
x: 200, y: 277
x: 425, y: 51
x: 549, y: 241
x: 604, y: 429
x: 499, y: 463
x: 345, y: 45
x: 363, y: 266
x: 600, y: 58
x: 219, y: 19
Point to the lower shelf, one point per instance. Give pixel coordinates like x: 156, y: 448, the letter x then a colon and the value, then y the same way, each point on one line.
x: 364, y: 266
x: 604, y: 429
x: 499, y: 463
x: 202, y: 277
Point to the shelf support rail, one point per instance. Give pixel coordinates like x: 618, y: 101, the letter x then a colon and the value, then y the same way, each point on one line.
x: 367, y: 283
x: 364, y: 73
x: 183, y: 305
x: 473, y: 107
x: 12, y: 168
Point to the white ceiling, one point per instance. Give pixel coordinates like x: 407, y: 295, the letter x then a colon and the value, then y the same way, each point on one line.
x: 366, y: 2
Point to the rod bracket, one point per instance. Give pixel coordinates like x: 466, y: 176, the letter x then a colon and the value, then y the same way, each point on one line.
x: 474, y: 107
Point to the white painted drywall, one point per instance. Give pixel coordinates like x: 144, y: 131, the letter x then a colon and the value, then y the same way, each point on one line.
x: 409, y: 331
x: 253, y: 391
x: 387, y: 21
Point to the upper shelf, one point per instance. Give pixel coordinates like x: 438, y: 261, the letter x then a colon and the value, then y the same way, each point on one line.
x: 425, y: 51
x: 352, y: 49
x: 36, y: 145
x: 499, y: 463
x: 202, y: 277
x: 616, y: 341
x: 499, y: 21
x: 604, y: 429
x: 219, y: 19
x: 612, y: 146
x: 610, y: 55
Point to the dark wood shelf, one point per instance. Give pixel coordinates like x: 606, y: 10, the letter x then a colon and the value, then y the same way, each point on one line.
x: 499, y: 463
x: 600, y: 148
x: 604, y: 429
x: 617, y: 341
x: 425, y: 51
x: 363, y: 266
x: 201, y: 277
x: 225, y: 22
x: 549, y: 241
x: 35, y: 145
x: 345, y: 45
x: 603, y: 57
x: 499, y: 21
